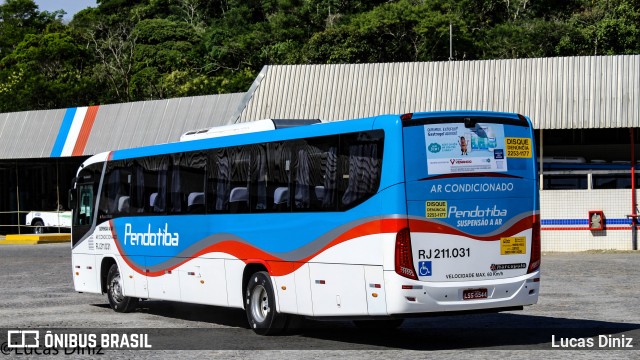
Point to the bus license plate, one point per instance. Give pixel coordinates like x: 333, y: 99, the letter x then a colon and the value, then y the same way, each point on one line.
x: 473, y: 294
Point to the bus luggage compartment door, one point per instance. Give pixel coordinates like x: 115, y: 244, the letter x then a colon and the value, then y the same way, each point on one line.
x: 338, y: 289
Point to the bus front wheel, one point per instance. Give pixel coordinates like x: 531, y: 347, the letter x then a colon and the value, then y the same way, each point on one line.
x: 261, y: 307
x: 117, y: 300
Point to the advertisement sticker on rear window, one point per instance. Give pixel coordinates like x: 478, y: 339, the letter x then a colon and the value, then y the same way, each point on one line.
x: 518, y: 147
x: 453, y: 148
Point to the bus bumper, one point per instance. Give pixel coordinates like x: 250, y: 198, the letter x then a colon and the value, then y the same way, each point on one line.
x: 406, y: 296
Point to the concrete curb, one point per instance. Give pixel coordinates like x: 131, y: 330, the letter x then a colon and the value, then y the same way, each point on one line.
x: 34, y: 239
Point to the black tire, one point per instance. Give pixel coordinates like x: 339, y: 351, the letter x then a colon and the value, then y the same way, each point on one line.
x: 260, y: 306
x: 387, y: 324
x: 39, y: 226
x: 117, y: 300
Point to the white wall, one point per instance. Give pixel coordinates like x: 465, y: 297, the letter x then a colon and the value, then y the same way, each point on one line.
x: 573, y: 206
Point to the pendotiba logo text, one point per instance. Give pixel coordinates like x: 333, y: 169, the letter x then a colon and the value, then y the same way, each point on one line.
x: 161, y: 237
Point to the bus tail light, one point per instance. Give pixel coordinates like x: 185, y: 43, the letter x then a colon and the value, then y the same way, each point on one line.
x: 404, y: 255
x: 406, y: 117
x: 522, y: 118
x: 534, y: 261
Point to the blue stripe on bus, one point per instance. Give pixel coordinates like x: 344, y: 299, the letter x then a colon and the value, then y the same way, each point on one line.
x: 63, y: 133
x: 621, y: 221
x: 333, y: 128
x: 330, y: 128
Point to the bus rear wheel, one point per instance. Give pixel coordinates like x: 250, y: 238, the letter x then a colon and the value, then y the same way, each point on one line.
x: 261, y: 307
x: 117, y: 300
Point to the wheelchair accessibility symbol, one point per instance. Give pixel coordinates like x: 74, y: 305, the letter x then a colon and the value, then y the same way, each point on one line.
x: 424, y: 268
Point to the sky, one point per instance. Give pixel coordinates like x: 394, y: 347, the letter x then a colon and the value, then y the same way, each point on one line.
x: 69, y: 6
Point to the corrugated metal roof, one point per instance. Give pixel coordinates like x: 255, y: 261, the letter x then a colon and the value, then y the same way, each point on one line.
x: 128, y: 125
x: 557, y: 93
x: 33, y: 134
x: 29, y: 134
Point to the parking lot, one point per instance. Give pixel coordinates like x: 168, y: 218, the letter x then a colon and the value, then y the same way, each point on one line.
x: 583, y: 296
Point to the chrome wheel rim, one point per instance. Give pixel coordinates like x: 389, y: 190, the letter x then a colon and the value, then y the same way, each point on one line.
x: 115, y: 289
x: 259, y: 303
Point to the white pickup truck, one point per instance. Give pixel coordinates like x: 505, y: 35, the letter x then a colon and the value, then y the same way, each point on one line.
x: 41, y: 220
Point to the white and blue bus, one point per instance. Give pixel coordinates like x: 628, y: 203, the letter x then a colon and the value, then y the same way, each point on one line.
x: 373, y: 219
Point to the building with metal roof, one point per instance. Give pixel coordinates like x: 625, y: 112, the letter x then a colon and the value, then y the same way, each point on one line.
x: 584, y: 92
x: 90, y: 130
x: 40, y: 151
x: 586, y: 111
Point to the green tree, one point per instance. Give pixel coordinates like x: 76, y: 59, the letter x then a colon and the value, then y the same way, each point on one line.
x: 603, y: 28
x: 19, y: 18
x: 147, y: 49
x: 399, y: 31
x: 113, y: 48
x: 164, y: 58
x: 45, y: 71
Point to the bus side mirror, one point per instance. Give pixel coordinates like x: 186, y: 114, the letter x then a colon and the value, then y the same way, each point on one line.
x: 72, y: 199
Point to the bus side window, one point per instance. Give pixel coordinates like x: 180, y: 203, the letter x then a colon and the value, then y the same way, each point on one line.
x: 175, y: 192
x: 279, y: 180
x: 187, y: 183
x: 87, y: 192
x: 218, y: 181
x: 329, y: 187
x: 158, y: 169
x: 362, y: 156
x: 137, y: 201
x: 116, y: 192
x: 315, y: 174
x: 85, y: 212
x: 258, y: 178
x: 302, y: 195
x: 240, y: 164
x: 145, y: 189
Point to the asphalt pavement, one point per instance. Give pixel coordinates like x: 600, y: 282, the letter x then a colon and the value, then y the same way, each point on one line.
x: 589, y: 307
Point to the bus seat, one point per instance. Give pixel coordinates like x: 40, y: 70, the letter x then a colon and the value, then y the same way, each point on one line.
x: 195, y: 202
x: 239, y: 200
x: 281, y: 195
x: 320, y: 193
x: 123, y: 204
x: 152, y: 199
x: 195, y: 198
x: 239, y: 194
